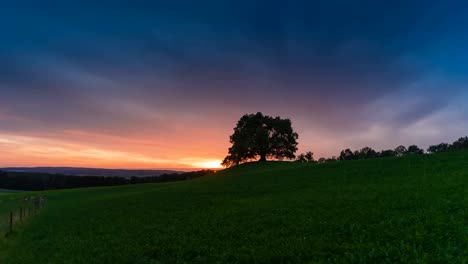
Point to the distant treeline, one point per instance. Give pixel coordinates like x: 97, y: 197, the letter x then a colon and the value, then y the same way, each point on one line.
x: 369, y: 153
x: 27, y: 181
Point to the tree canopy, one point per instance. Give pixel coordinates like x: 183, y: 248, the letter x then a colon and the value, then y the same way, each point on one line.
x: 413, y: 149
x: 400, y: 151
x: 442, y: 147
x: 261, y: 136
x: 306, y: 157
x: 369, y: 153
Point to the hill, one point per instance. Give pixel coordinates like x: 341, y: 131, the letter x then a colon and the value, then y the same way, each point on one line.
x: 124, y: 173
x: 34, y: 181
x: 396, y: 210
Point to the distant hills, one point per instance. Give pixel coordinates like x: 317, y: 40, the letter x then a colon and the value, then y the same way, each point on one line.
x: 124, y: 173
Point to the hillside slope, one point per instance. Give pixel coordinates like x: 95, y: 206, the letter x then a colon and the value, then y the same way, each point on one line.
x: 412, y: 209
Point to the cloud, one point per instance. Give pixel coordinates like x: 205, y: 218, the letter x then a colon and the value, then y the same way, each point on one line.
x: 346, y: 74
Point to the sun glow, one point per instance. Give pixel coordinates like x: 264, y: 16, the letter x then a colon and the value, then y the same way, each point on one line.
x: 208, y: 164
x: 42, y: 151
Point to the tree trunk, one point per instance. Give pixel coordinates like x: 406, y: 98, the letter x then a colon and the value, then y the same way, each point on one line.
x: 262, y: 157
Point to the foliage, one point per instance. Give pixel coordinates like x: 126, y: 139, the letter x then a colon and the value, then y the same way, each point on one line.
x: 366, y: 153
x: 326, y: 160
x: 369, y: 153
x: 400, y: 151
x: 442, y: 147
x: 28, y: 181
x: 258, y: 135
x: 413, y: 149
x: 306, y: 157
x: 461, y: 143
x: 347, y: 154
x: 387, y: 153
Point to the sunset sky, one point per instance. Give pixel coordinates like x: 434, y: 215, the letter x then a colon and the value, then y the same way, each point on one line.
x: 161, y: 84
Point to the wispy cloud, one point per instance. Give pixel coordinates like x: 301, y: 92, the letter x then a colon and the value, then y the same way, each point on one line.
x: 159, y: 84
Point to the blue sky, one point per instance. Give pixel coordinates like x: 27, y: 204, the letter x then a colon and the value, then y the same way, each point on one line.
x: 162, y: 84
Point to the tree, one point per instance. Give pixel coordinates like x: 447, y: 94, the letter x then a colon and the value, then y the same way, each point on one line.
x: 260, y: 136
x: 387, y: 153
x: 461, y: 143
x: 442, y: 147
x: 400, y: 151
x: 347, y: 154
x: 309, y: 156
x: 305, y: 157
x: 367, y: 153
x: 301, y: 158
x: 413, y: 149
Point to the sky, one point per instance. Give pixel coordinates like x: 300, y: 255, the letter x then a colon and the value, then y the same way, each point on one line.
x: 161, y: 84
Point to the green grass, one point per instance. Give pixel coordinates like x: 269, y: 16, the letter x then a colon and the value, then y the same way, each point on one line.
x: 6, y: 191
x: 397, y: 210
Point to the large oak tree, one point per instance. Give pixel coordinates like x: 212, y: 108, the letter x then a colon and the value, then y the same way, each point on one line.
x: 260, y: 136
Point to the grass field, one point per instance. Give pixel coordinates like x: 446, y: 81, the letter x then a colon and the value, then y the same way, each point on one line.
x: 5, y: 191
x: 397, y: 210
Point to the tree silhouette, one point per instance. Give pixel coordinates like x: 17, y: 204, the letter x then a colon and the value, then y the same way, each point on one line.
x: 256, y: 135
x: 301, y: 158
x: 400, y: 151
x: 413, y: 149
x: 367, y: 153
x: 309, y: 156
x: 461, y: 143
x: 387, y: 153
x: 305, y: 157
x: 442, y: 147
x: 347, y: 154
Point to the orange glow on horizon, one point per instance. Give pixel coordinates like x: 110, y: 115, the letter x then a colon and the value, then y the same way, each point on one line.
x: 209, y: 164
x: 31, y: 151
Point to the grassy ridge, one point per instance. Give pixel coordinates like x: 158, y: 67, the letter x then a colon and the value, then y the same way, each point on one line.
x: 412, y: 209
